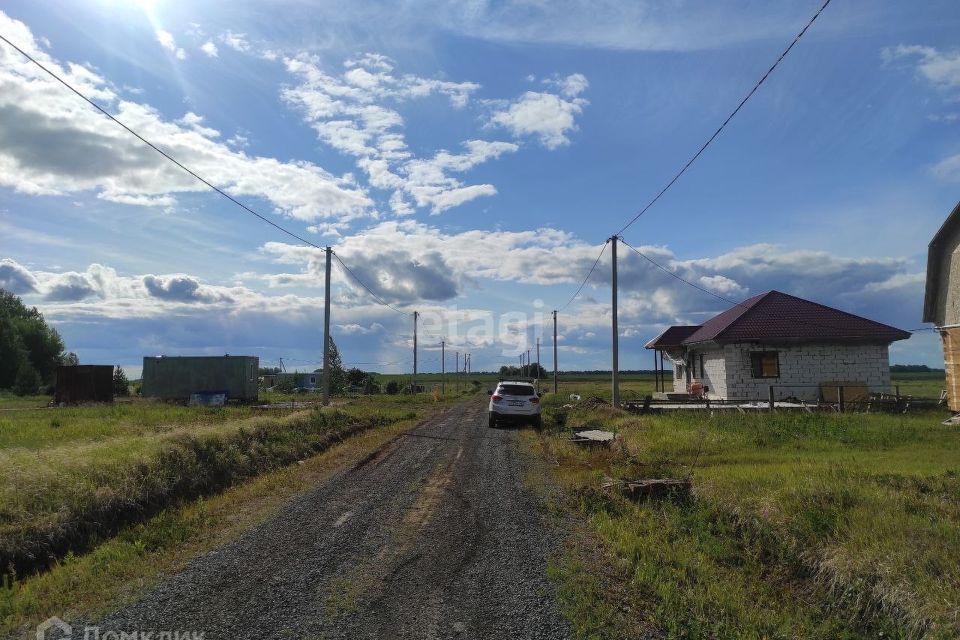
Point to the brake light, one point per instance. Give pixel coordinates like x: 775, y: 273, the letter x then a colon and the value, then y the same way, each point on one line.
x: 534, y: 400
x: 496, y: 398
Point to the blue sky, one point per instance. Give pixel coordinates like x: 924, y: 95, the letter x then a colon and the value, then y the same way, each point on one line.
x: 467, y: 160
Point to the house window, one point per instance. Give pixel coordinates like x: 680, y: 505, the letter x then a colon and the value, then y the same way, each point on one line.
x: 703, y: 372
x: 313, y: 380
x: 678, y: 371
x: 765, y: 364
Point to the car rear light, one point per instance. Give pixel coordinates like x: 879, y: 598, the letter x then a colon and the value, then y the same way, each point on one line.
x: 496, y: 398
x: 535, y: 400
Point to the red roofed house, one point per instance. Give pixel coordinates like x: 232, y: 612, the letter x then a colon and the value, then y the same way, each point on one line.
x: 781, y: 340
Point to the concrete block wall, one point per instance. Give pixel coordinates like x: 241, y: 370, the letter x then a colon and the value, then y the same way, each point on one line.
x: 714, y: 372
x: 806, y: 365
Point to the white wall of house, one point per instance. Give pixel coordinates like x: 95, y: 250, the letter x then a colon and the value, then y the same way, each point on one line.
x: 805, y: 365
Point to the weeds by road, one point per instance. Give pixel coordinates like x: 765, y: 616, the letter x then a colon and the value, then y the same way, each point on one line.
x: 816, y: 526
x: 72, y: 477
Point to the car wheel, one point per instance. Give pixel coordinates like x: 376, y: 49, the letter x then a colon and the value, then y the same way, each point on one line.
x: 492, y: 421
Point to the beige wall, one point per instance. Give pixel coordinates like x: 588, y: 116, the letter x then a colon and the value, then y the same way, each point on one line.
x: 947, y: 310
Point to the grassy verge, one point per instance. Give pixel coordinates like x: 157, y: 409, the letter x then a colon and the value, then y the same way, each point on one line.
x: 115, y: 572
x: 799, y: 525
x: 71, y: 478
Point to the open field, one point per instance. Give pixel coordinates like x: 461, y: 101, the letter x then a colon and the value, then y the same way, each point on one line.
x: 69, y: 477
x: 799, y: 525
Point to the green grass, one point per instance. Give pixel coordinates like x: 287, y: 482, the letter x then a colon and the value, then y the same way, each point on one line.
x: 69, y: 477
x: 116, y: 571
x: 800, y: 525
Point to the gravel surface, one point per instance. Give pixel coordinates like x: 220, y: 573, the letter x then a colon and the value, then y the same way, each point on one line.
x: 431, y: 536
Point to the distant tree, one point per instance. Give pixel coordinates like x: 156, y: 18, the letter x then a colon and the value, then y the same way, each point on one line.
x: 27, y: 382
x: 121, y: 386
x: 70, y: 359
x: 370, y: 386
x: 356, y: 377
x: 392, y: 388
x: 26, y: 342
x: 338, y: 377
x: 269, y: 371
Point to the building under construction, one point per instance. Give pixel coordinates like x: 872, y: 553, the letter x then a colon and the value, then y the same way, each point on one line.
x: 941, y: 304
x: 179, y: 377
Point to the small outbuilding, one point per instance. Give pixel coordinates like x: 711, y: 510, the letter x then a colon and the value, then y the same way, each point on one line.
x: 941, y: 303
x: 179, y: 377
x: 803, y: 349
x: 83, y: 383
x: 296, y: 380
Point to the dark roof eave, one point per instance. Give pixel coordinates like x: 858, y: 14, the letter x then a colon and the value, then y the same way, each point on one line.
x: 801, y: 341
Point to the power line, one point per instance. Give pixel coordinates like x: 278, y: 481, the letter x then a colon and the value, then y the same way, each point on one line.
x: 589, y: 273
x: 156, y: 148
x: 729, y: 118
x: 368, y: 289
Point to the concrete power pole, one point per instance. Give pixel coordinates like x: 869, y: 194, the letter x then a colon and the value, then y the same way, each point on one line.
x: 554, y: 351
x: 538, y: 364
x: 414, y: 384
x: 456, y: 372
x: 326, y: 331
x: 616, y: 333
x: 443, y: 367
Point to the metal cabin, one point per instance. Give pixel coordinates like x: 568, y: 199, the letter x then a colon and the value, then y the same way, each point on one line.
x: 179, y: 377
x: 84, y: 383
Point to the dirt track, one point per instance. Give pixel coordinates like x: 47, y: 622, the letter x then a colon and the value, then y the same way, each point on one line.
x: 431, y: 536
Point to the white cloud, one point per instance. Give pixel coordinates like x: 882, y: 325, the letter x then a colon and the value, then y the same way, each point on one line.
x: 547, y: 116
x: 939, y: 68
x: 236, y: 41
x: 348, y: 113
x: 948, y: 168
x: 53, y: 143
x: 209, y: 48
x: 165, y: 38
x: 16, y: 278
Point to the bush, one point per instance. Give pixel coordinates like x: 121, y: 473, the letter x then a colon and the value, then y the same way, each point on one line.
x: 393, y: 388
x: 27, y: 382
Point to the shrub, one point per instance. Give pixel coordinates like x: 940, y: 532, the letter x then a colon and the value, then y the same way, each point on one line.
x: 393, y: 387
x: 27, y: 382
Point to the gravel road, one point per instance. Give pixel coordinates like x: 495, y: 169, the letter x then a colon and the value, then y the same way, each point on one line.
x: 431, y: 536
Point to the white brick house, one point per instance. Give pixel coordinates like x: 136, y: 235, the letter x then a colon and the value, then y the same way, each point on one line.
x: 799, y: 347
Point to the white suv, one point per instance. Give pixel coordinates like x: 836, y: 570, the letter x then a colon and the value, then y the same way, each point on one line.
x: 514, y: 401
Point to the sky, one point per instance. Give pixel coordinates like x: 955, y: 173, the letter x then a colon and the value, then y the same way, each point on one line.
x: 467, y: 160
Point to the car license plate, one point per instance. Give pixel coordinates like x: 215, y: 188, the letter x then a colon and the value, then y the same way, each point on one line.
x: 516, y: 403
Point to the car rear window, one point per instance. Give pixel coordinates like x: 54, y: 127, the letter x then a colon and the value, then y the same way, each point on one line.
x: 517, y: 390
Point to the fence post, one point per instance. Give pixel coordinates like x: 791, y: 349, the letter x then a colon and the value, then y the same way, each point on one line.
x: 770, y: 398
x: 840, y: 402
x: 897, y: 388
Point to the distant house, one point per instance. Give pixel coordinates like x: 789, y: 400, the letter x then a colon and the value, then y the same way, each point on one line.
x: 799, y: 347
x: 941, y: 304
x: 310, y: 381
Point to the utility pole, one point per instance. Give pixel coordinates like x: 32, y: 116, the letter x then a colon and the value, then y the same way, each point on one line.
x: 456, y: 372
x: 538, y: 364
x: 468, y: 363
x: 528, y: 364
x: 443, y: 367
x: 326, y: 331
x: 616, y: 333
x: 554, y: 351
x: 416, y: 314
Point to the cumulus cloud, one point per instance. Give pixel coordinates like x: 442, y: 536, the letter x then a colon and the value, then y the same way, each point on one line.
x: 53, y: 143
x: 180, y: 288
x: 210, y: 49
x: 166, y: 40
x: 546, y: 116
x: 350, y: 112
x: 16, y: 278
